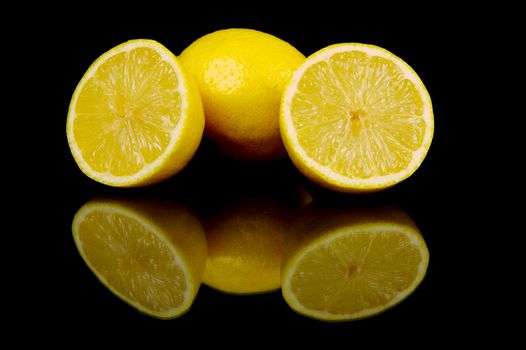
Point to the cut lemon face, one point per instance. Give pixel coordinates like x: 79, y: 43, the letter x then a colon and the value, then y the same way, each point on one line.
x: 352, y: 264
x: 135, y: 118
x: 150, y: 255
x: 356, y: 118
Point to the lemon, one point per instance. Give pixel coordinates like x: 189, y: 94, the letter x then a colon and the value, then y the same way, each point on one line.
x: 241, y: 75
x: 136, y: 117
x: 149, y: 254
x: 349, y: 263
x: 356, y: 118
x: 245, y: 246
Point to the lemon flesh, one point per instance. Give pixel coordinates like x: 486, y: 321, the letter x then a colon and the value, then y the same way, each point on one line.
x: 356, y: 118
x: 135, y: 118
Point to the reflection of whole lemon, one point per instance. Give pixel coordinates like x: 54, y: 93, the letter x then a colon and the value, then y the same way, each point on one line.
x: 245, y: 247
x: 241, y: 75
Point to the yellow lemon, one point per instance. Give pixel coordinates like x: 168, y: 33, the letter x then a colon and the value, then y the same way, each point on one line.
x: 135, y: 118
x: 356, y: 118
x: 245, y: 246
x: 149, y: 254
x: 241, y: 75
x: 347, y: 264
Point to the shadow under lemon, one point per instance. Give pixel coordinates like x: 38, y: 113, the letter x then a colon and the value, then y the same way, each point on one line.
x: 344, y: 264
x: 150, y: 254
x: 246, y: 242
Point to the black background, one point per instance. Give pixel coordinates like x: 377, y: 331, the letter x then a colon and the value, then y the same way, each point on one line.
x: 436, y: 43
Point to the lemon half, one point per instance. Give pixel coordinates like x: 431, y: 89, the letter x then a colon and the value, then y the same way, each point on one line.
x: 356, y: 118
x: 135, y: 118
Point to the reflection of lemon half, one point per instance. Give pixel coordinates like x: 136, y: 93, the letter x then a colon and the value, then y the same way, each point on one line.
x: 356, y: 118
x: 136, y: 117
x: 150, y: 255
x: 245, y: 247
x: 352, y: 264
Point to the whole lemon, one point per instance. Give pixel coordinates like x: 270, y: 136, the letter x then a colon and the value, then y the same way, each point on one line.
x: 241, y: 75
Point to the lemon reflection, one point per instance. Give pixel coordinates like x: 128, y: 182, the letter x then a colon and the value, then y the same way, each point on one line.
x: 333, y: 264
x: 151, y: 254
x: 245, y: 245
x: 344, y: 264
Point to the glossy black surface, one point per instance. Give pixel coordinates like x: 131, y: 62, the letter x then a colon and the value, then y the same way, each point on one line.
x: 211, y: 183
x: 432, y: 196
